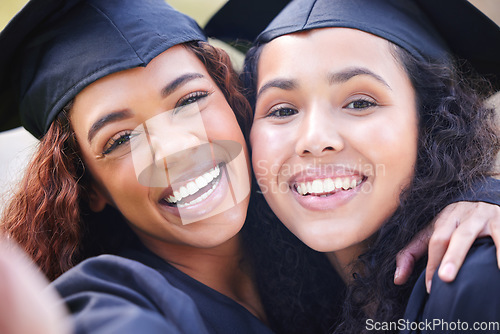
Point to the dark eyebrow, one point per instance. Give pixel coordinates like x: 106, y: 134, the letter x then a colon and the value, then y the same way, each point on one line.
x: 179, y: 82
x: 106, y: 119
x: 285, y: 84
x: 119, y: 115
x: 345, y: 75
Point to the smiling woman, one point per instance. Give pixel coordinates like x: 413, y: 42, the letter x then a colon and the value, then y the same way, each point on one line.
x: 329, y: 130
x: 109, y: 141
x: 364, y: 129
x: 142, y: 158
x: 17, y: 145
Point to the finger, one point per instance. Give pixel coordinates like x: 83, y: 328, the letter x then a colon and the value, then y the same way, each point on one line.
x: 406, y: 258
x: 461, y: 241
x: 489, y: 224
x: 445, y: 224
x: 405, y: 263
x: 494, y: 229
x: 437, y: 248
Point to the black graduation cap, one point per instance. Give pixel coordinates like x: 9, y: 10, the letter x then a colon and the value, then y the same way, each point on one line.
x: 425, y: 28
x: 52, y: 49
x: 243, y: 19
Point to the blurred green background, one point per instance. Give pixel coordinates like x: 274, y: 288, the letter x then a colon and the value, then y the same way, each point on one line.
x: 200, y: 10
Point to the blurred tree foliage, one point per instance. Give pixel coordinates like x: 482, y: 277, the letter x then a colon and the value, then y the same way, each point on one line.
x: 200, y: 10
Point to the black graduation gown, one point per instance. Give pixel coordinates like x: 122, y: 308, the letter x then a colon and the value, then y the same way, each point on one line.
x: 138, y: 292
x: 470, y: 304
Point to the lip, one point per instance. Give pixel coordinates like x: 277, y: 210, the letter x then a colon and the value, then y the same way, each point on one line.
x: 198, y: 210
x: 327, y: 201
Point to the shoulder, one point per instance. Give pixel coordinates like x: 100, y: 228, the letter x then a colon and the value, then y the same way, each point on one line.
x: 483, y: 190
x: 106, y: 271
x: 113, y: 294
x: 474, y: 294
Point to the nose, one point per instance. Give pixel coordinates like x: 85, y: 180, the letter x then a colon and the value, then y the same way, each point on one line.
x: 173, y: 147
x: 160, y: 155
x: 318, y: 133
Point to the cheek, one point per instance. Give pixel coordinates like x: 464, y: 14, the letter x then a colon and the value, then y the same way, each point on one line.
x: 389, y: 142
x: 392, y: 150
x: 401, y: 139
x: 268, y: 149
x: 119, y: 181
x: 220, y: 123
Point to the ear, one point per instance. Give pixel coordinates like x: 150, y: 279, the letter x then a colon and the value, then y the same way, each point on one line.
x: 97, y: 200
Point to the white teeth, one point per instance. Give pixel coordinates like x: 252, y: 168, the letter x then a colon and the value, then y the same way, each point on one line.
x: 184, y: 192
x: 192, y: 187
x: 215, y: 172
x: 346, y: 184
x: 178, y: 196
x: 317, y: 186
x: 207, y: 177
x: 199, y: 199
x: 328, y: 185
x: 201, y: 182
x: 322, y: 186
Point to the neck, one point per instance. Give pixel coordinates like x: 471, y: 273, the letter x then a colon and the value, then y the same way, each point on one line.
x: 343, y: 261
x: 222, y: 268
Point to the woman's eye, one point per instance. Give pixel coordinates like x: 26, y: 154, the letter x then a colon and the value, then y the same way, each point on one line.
x: 282, y: 112
x: 361, y: 104
x: 116, y: 142
x: 191, y: 98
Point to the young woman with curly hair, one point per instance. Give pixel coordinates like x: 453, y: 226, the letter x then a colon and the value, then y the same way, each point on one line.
x: 364, y: 129
x: 142, y: 157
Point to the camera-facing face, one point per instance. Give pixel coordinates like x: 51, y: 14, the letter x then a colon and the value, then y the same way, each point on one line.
x: 165, y: 149
x: 334, y: 140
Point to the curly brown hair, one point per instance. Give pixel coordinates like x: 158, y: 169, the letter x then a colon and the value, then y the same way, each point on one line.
x: 49, y: 215
x: 458, y: 145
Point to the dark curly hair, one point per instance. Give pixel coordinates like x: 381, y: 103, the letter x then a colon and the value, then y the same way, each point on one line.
x: 49, y: 214
x: 457, y: 147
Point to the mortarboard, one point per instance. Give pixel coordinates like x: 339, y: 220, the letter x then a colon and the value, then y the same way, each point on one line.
x: 52, y: 49
x: 243, y: 19
x: 425, y: 28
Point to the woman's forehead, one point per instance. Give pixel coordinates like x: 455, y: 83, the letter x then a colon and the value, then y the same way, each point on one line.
x: 334, y: 49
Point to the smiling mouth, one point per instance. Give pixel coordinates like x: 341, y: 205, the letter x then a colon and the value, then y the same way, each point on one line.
x: 196, y: 190
x: 328, y: 186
